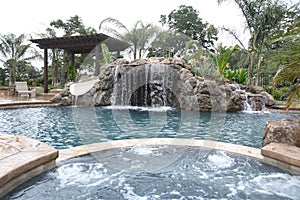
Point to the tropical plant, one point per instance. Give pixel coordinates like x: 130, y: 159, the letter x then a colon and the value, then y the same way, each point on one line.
x: 229, y: 74
x: 139, y: 37
x: 262, y: 17
x: 205, y: 68
x: 222, y: 56
x: 16, y: 54
x: 107, y: 56
x: 186, y: 20
x: 241, y: 76
x: 288, y: 55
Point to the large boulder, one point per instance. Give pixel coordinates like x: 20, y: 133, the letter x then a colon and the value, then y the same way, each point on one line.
x: 285, y: 131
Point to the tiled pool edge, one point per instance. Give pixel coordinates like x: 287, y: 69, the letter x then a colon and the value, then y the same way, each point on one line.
x: 22, y: 159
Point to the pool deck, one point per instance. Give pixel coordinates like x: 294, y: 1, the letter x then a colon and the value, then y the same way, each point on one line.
x: 22, y: 159
x: 14, y: 102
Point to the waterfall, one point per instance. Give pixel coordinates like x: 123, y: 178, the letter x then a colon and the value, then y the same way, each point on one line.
x: 76, y: 99
x: 247, y: 106
x: 146, y: 85
x: 252, y: 102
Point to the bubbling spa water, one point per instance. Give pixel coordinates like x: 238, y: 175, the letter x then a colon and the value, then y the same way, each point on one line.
x: 129, y: 173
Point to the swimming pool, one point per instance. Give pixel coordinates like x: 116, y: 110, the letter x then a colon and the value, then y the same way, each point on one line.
x: 64, y: 127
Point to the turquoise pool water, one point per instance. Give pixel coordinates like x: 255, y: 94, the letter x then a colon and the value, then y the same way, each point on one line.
x: 64, y: 127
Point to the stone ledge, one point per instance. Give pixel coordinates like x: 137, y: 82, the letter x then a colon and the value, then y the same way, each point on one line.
x: 22, y: 159
x: 83, y: 150
x: 283, y: 152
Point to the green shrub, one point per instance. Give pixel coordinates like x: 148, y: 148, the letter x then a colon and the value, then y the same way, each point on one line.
x: 268, y: 89
x: 241, y: 76
x: 277, y: 94
x: 229, y: 74
x: 285, y: 90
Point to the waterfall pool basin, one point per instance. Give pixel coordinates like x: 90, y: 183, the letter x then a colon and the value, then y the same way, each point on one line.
x: 65, y: 127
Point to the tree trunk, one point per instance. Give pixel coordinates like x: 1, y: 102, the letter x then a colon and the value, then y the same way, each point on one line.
x: 12, y: 74
x: 134, y: 52
x: 253, y: 53
x: 258, y: 71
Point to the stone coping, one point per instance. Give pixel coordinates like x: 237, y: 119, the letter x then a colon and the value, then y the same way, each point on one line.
x: 25, y: 104
x: 66, y: 154
x: 283, y: 153
x: 289, y: 162
x: 21, y: 159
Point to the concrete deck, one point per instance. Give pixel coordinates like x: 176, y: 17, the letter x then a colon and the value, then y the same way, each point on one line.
x: 21, y: 159
x: 282, y: 155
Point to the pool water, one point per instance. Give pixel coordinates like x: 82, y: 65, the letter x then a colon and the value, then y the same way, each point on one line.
x: 64, y: 127
x: 129, y: 173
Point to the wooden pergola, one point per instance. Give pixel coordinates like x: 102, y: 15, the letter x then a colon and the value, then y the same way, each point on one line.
x: 77, y: 45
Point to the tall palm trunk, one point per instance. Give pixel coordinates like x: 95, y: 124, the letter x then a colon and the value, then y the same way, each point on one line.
x: 258, y: 71
x: 253, y: 54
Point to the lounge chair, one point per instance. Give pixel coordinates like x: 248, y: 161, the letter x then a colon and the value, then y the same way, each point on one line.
x: 22, y: 88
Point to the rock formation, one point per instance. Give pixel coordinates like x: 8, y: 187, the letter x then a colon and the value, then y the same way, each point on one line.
x: 285, y: 131
x: 164, y: 82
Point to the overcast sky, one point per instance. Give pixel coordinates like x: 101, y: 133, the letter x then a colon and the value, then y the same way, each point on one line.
x: 33, y: 16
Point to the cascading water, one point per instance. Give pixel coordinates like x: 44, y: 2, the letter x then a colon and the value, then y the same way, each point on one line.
x: 251, y: 102
x: 147, y: 85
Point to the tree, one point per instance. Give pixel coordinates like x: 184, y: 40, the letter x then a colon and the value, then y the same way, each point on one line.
x: 71, y: 26
x: 222, y: 56
x: 186, y: 21
x: 168, y: 44
x: 262, y: 17
x: 139, y: 37
x: 16, y: 53
x: 287, y: 54
x: 55, y: 55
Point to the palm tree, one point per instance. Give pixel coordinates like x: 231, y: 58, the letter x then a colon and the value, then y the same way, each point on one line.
x: 289, y: 56
x: 139, y: 37
x: 15, y: 53
x: 56, y: 55
x: 262, y: 16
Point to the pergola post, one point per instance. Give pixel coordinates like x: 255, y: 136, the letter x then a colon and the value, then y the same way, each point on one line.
x: 45, y: 70
x: 97, y: 61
